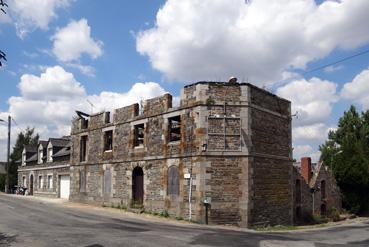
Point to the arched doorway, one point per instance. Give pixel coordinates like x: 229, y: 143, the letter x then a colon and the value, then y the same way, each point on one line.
x: 323, y: 210
x: 31, y: 185
x: 137, y: 185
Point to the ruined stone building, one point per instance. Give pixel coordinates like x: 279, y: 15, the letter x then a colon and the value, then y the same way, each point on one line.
x: 44, y: 168
x: 233, y: 139
x: 315, y: 190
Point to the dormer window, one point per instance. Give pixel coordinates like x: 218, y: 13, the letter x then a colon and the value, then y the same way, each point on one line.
x: 24, y: 157
x: 50, y: 154
x: 40, y: 155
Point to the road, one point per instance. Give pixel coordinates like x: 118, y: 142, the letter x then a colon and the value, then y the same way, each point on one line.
x: 26, y: 221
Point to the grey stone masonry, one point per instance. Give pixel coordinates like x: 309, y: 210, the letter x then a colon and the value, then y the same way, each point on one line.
x: 234, y: 139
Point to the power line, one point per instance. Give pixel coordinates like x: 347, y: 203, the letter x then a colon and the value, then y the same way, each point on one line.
x: 17, y: 125
x: 282, y: 82
x: 336, y: 62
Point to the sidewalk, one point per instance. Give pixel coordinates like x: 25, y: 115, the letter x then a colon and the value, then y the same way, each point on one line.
x: 114, y: 212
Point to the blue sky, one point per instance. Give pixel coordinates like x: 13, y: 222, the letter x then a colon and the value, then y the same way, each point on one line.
x: 62, y: 52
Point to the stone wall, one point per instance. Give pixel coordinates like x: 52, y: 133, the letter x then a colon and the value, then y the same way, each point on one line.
x: 55, y: 169
x: 236, y: 146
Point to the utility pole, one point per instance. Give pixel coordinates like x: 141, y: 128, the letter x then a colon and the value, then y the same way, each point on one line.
x: 8, y: 156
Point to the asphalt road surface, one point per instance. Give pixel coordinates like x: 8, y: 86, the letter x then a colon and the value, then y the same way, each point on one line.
x: 32, y: 222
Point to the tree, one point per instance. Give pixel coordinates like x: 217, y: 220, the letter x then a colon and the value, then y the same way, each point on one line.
x: 29, y: 137
x: 2, y: 8
x: 346, y: 152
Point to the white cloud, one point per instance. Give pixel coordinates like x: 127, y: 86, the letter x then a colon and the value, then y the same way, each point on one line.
x: 305, y: 151
x: 29, y: 15
x: 333, y: 68
x: 49, y: 100
x: 84, y: 69
x: 358, y: 89
x: 318, y: 131
x: 260, y: 40
x: 138, y: 92
x: 312, y: 99
x: 74, y: 40
x: 54, y: 84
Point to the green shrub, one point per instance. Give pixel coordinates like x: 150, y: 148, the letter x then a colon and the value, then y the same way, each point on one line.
x: 164, y: 213
x: 334, y: 214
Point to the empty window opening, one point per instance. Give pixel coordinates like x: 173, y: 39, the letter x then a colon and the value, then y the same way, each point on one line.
x: 298, y: 190
x: 174, y: 128
x: 82, y: 181
x: 49, y: 181
x: 108, y: 140
x: 40, y: 182
x: 139, y: 135
x: 108, y: 117
x: 84, y: 123
x: 322, y: 189
x: 173, y: 181
x: 83, y: 148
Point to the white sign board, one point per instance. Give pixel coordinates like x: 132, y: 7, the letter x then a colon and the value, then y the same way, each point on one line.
x: 187, y: 175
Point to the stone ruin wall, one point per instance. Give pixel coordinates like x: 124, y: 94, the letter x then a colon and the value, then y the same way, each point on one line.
x: 243, y: 132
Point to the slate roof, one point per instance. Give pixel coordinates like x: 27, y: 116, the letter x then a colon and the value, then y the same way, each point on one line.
x: 59, y: 142
x: 32, y: 158
x: 30, y: 149
x: 64, y: 151
x: 44, y: 143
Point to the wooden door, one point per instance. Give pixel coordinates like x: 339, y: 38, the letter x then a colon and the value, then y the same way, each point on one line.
x: 138, y: 186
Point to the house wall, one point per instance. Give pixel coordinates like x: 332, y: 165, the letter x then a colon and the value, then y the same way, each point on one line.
x: 310, y: 200
x: 230, y: 135
x: 332, y: 191
x: 306, y: 201
x: 53, y: 168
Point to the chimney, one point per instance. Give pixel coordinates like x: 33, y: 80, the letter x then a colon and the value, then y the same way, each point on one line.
x: 306, y: 168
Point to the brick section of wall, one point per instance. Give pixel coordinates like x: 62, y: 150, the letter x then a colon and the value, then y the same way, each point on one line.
x: 306, y: 171
x: 271, y: 192
x: 223, y: 187
x: 271, y: 165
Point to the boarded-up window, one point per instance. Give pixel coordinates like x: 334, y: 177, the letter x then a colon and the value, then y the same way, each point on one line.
x: 224, y: 133
x: 83, y: 148
x: 82, y: 181
x: 173, y: 181
x: 107, y: 181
